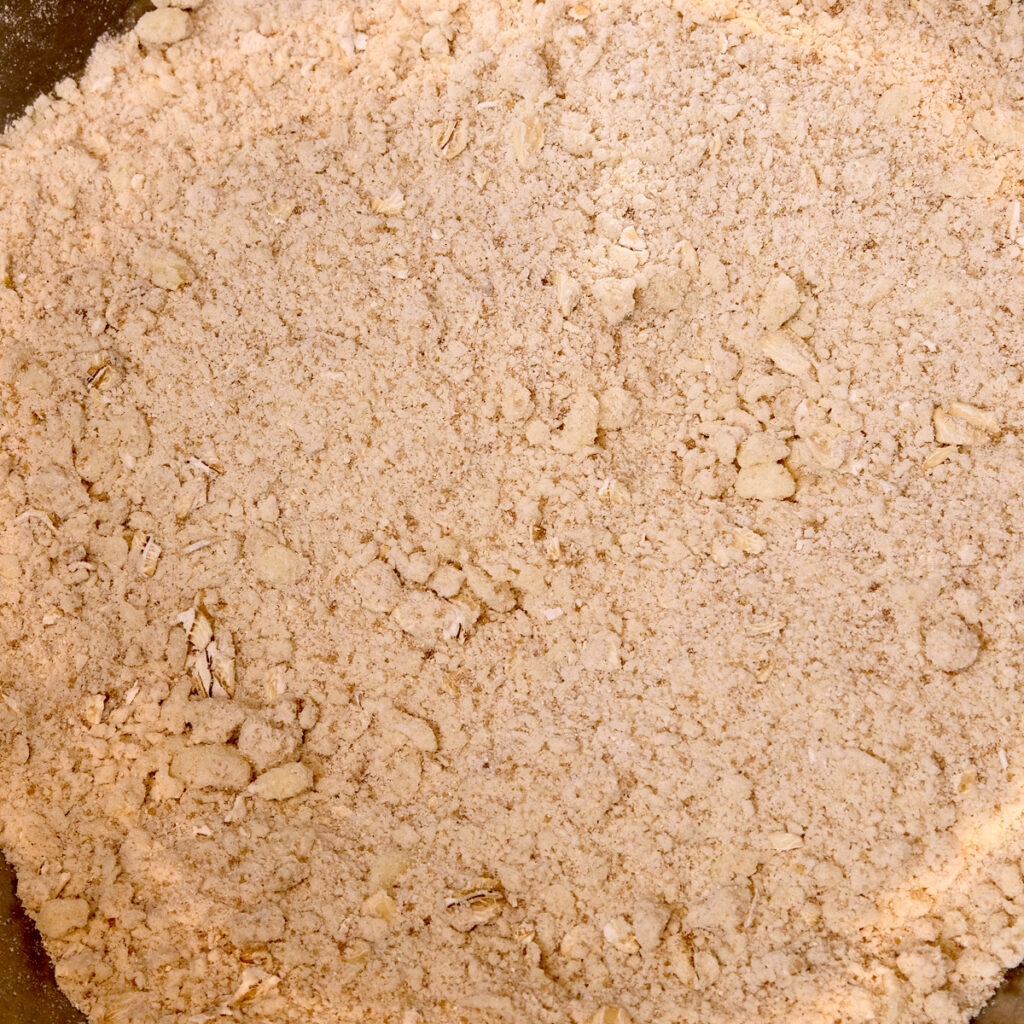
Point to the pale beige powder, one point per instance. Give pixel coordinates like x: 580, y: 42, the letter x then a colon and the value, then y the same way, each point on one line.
x: 510, y: 512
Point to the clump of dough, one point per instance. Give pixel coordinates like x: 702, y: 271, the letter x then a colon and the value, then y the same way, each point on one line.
x: 766, y: 481
x: 283, y: 782
x: 58, y: 917
x: 615, y: 298
x: 277, y: 564
x: 164, y: 26
x: 951, y: 645
x: 211, y: 766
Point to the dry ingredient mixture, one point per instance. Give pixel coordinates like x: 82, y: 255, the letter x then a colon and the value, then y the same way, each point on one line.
x: 510, y: 512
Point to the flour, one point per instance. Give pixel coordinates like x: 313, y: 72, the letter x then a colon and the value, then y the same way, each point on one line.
x: 509, y: 512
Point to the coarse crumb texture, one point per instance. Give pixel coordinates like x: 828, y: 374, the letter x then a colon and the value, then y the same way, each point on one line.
x: 510, y: 512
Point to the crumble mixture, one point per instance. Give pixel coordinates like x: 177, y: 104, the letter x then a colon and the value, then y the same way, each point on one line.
x: 511, y: 512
